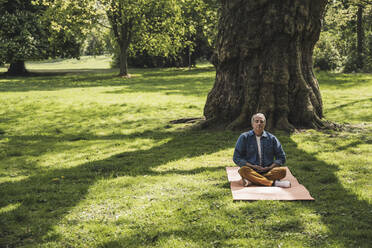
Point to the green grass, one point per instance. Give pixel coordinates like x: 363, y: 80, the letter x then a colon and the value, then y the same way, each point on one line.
x: 88, y: 159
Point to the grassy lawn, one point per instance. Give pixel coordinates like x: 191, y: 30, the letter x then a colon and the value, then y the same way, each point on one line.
x: 88, y: 159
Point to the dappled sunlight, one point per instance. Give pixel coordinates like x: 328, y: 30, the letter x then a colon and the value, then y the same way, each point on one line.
x: 198, y: 164
x: 13, y: 178
x: 338, y: 154
x: 85, y: 62
x: 170, y: 80
x: 347, y: 106
x: 342, y: 80
x: 9, y: 208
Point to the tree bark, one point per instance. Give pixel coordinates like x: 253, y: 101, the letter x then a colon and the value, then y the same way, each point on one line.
x: 360, y: 36
x: 17, y: 68
x: 123, y: 61
x: 122, y: 29
x: 124, y: 40
x: 264, y: 64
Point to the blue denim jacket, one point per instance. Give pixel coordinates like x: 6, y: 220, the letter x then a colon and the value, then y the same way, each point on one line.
x: 246, y: 150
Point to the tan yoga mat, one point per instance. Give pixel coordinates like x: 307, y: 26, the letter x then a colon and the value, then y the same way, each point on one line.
x: 252, y: 193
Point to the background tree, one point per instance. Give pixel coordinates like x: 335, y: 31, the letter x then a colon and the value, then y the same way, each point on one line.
x: 21, y: 33
x: 199, y: 18
x: 346, y: 36
x: 98, y: 41
x: 197, y: 23
x: 264, y: 64
x: 155, y: 26
x: 361, y: 6
x: 32, y: 30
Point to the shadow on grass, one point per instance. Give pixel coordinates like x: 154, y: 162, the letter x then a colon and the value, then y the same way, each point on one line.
x: 341, y: 80
x: 351, y: 108
x: 348, y: 218
x: 41, y: 73
x: 350, y: 104
x: 172, y: 81
x: 36, y: 204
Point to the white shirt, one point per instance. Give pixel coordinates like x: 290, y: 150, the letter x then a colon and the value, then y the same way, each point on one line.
x: 258, y: 139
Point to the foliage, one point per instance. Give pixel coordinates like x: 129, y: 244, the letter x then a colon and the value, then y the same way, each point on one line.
x: 338, y: 39
x: 196, y: 21
x: 142, y: 23
x: 326, y: 55
x: 200, y: 17
x: 33, y: 30
x: 22, y: 32
x: 98, y: 42
x: 99, y: 165
x: 145, y: 60
x: 70, y: 23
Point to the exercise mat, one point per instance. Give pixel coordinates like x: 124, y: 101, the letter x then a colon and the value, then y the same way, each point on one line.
x: 254, y: 192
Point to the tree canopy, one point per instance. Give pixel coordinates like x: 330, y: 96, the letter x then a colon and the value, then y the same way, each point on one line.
x: 160, y: 33
x: 345, y: 42
x: 154, y: 26
x: 32, y: 30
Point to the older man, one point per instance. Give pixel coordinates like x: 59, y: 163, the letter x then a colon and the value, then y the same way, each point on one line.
x: 260, y: 155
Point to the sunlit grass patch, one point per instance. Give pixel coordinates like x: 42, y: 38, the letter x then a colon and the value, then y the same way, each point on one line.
x: 85, y: 62
x: 347, y: 97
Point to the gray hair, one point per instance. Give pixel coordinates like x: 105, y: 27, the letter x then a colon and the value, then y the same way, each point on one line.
x: 258, y: 114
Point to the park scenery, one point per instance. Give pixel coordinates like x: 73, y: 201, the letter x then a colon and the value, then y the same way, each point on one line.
x: 118, y: 120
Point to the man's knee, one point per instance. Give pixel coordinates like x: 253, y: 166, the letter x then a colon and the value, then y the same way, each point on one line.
x: 279, y: 171
x: 244, y: 170
x: 276, y: 173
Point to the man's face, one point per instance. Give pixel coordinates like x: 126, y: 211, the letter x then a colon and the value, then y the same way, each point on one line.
x: 258, y: 125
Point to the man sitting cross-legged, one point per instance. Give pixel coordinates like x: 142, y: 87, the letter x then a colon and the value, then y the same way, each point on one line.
x: 255, y: 151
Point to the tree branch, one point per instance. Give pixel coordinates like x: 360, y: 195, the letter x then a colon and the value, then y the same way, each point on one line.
x: 103, y: 25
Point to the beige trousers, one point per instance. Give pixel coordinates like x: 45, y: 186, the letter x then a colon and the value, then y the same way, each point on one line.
x: 266, y: 179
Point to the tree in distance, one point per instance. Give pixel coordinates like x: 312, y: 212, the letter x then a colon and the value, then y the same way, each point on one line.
x: 154, y: 25
x: 41, y: 29
x: 196, y: 24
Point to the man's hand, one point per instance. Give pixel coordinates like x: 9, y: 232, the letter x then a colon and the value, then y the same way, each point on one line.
x: 258, y: 168
x: 272, y: 166
x: 262, y: 169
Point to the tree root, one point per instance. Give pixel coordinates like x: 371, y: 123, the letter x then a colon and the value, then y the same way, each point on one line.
x: 320, y: 124
x: 125, y: 76
x: 239, y: 123
x: 283, y: 124
x: 206, y: 124
x: 187, y: 120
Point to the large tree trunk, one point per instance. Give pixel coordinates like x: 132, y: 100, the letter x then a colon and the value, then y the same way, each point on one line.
x: 17, y: 68
x: 264, y: 64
